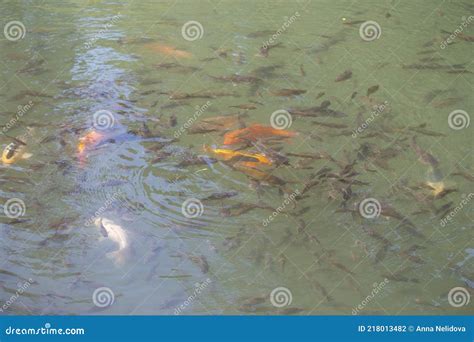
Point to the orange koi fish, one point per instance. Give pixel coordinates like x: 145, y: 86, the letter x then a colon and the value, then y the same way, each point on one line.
x: 169, y: 50
x: 247, y: 159
x: 89, y: 140
x: 255, y: 132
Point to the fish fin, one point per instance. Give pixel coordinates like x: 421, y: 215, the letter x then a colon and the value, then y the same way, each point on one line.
x: 117, y: 256
x: 103, y: 231
x: 26, y: 156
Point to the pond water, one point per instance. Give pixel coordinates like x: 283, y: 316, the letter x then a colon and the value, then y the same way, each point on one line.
x: 347, y: 190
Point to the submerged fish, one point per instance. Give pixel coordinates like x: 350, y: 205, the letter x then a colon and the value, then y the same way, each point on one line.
x: 15, y: 151
x: 344, y: 76
x: 424, y: 157
x: 220, y: 195
x: 254, y: 133
x: 372, y: 90
x: 246, y: 106
x: 287, y: 92
x: 168, y: 50
x: 91, y: 139
x: 236, y: 78
x: 434, y: 176
x: 199, y: 95
x: 248, y: 159
x: 264, y: 50
x: 259, y: 175
x: 117, y: 234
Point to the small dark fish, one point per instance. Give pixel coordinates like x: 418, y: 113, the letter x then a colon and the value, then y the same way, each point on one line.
x: 254, y: 300
x: 18, y: 221
x: 21, y: 95
x: 354, y: 94
x: 329, y: 125
x: 344, y: 76
x: 427, y: 132
x: 148, y: 92
x: 372, y: 90
x: 267, y: 71
x: 173, y: 121
x: 198, y: 95
x: 325, y: 104
x: 264, y: 50
x: 323, y: 291
x: 287, y: 92
x: 220, y: 195
x: 160, y: 156
x: 237, y: 78
x: 349, y: 22
x: 426, y: 52
x: 175, y: 66
x: 466, y: 37
x: 466, y: 175
x: 258, y: 34
x: 197, y: 160
x: 424, y: 157
x: 459, y: 71
x: 430, y: 59
x: 245, y: 106
x: 341, y: 267
x: 290, y: 311
x: 31, y: 66
x: 398, y: 276
x: 446, y: 102
x: 303, y: 73
x: 201, y: 261
x: 433, y: 66
x: 321, y: 94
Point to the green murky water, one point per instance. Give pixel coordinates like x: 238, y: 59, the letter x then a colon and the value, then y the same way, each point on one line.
x: 256, y: 251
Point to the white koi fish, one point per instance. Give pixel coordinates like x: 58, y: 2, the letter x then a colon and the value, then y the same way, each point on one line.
x: 117, y: 234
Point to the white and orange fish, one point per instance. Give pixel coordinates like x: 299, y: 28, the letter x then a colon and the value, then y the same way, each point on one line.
x: 87, y: 142
x: 15, y: 151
